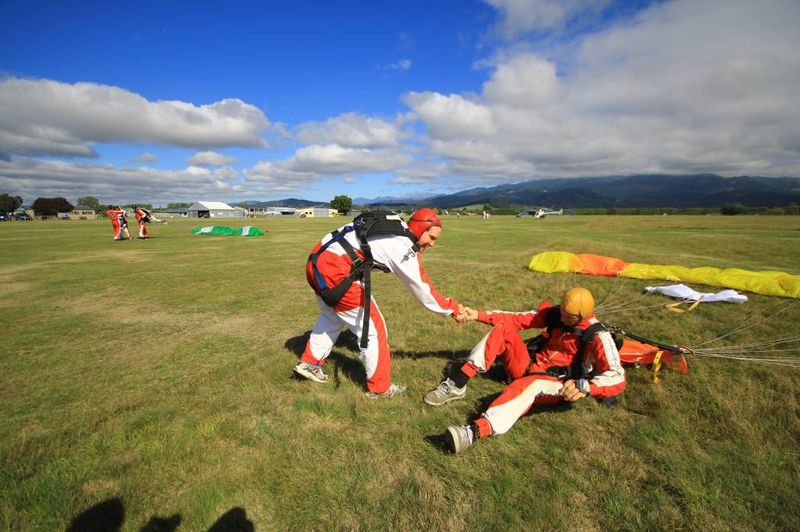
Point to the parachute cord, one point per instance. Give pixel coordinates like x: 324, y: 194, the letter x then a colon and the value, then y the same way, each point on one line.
x: 614, y: 307
x: 758, y: 353
x: 768, y: 361
x: 623, y: 309
x: 746, y: 325
x: 611, y: 296
x: 756, y: 345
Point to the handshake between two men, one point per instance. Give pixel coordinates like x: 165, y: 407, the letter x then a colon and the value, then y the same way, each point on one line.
x: 466, y: 314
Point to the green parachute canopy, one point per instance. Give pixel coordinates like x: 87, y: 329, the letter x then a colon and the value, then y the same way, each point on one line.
x: 221, y: 230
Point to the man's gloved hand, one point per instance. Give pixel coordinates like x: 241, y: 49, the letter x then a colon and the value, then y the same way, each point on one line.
x: 570, y: 391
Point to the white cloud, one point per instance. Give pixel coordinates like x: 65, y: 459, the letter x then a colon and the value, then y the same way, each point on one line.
x: 280, y: 176
x: 451, y: 116
x: 210, y: 158
x: 311, y: 163
x: 402, y: 64
x: 45, y: 117
x: 32, y: 178
x: 146, y: 157
x: 422, y: 173
x: 521, y: 16
x: 525, y: 81
x: 351, y: 130
x: 685, y: 86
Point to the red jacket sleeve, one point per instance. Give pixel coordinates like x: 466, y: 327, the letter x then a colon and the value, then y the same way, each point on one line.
x: 532, y: 319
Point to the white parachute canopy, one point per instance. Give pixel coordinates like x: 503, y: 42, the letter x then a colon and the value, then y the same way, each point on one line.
x: 682, y: 291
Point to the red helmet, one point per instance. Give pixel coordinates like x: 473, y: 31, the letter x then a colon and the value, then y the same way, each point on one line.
x: 422, y: 220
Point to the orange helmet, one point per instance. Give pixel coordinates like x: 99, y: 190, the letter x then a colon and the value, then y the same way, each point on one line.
x: 422, y: 220
x: 578, y: 301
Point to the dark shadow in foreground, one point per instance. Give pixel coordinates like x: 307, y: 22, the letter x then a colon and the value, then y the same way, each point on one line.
x: 103, y: 516
x: 234, y: 519
x: 109, y: 516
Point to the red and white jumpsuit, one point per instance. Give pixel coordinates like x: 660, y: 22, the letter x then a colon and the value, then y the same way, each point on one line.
x: 529, y: 385
x: 112, y: 215
x: 142, y: 218
x: 393, y: 252
x: 119, y: 223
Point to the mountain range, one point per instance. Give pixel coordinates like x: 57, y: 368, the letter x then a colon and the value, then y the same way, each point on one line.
x: 642, y: 191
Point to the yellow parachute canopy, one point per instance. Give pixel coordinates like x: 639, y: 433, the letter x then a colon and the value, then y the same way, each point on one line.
x: 766, y: 283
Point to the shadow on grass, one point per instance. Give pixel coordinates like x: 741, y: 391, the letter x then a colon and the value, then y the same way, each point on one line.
x: 444, y: 353
x: 343, y: 365
x: 348, y: 340
x: 109, y: 516
x: 352, y: 369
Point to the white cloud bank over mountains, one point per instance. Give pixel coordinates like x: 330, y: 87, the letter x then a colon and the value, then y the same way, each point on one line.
x: 684, y: 86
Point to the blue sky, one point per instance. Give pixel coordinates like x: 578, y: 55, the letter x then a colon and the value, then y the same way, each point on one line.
x: 181, y: 101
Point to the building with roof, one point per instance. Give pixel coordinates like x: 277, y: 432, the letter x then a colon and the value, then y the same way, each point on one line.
x: 316, y: 212
x: 214, y: 209
x: 271, y: 211
x: 82, y: 212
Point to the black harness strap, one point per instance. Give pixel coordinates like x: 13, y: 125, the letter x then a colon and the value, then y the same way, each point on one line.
x: 585, y: 337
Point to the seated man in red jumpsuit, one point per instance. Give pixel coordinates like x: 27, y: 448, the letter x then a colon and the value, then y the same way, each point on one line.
x: 330, y: 263
x: 578, y: 358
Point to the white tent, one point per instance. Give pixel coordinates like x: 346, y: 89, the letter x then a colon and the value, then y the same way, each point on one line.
x: 214, y: 209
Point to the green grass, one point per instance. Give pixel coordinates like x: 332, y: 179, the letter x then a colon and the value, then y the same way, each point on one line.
x: 158, y: 373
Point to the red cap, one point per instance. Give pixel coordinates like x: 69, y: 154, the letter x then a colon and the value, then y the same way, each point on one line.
x: 422, y: 220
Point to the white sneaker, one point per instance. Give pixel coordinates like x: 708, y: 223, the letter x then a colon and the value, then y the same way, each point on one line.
x: 459, y: 438
x: 311, y: 372
x: 444, y: 393
x: 394, y: 390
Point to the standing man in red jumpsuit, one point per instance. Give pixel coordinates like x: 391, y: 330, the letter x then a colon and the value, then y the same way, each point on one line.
x: 119, y: 223
x: 142, y: 218
x: 571, y: 365
x: 398, y: 254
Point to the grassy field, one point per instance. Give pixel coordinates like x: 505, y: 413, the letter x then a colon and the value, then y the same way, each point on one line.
x: 149, y: 383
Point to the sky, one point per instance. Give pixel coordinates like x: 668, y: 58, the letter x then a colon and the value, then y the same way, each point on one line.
x: 159, y: 102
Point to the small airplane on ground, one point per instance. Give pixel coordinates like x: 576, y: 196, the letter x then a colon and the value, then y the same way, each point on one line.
x: 540, y: 213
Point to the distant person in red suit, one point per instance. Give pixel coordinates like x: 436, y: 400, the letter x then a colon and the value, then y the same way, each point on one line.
x: 119, y: 222
x: 143, y: 218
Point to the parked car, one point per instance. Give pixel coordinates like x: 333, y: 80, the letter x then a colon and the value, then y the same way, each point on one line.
x: 23, y: 216
x: 3, y: 217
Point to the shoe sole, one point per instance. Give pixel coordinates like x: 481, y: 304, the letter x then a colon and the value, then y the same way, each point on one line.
x: 449, y: 399
x: 373, y: 395
x: 452, y: 432
x: 308, y: 375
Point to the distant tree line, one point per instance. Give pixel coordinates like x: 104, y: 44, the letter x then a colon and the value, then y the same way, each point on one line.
x: 8, y: 203
x: 51, y: 206
x: 728, y: 210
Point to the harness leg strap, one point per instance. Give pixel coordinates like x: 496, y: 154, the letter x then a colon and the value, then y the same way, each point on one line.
x: 367, y: 305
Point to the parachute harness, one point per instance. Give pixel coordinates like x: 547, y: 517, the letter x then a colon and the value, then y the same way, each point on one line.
x: 367, y: 224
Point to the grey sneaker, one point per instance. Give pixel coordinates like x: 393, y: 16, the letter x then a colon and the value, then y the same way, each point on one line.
x: 311, y: 372
x: 444, y: 393
x: 459, y: 438
x: 394, y: 389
